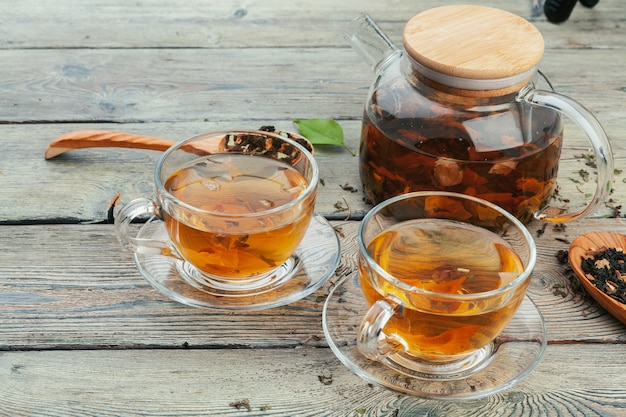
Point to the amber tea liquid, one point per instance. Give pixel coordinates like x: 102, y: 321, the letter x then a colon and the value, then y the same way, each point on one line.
x: 446, y: 257
x: 504, y: 154
x: 237, y: 184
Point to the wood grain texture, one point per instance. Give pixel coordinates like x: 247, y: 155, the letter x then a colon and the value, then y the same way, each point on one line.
x: 278, y: 382
x: 219, y: 24
x: 472, y: 41
x: 182, y: 85
x: 194, y: 24
x: 164, y: 85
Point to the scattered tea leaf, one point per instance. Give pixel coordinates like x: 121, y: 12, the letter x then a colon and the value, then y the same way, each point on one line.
x: 320, y: 298
x: 559, y: 290
x: 310, y: 338
x: 114, y: 201
x: 541, y: 231
x: 348, y: 187
x: 241, y: 404
x: 584, y: 174
x: 326, y: 380
x: 589, y: 160
x: 339, y: 231
x: 322, y: 132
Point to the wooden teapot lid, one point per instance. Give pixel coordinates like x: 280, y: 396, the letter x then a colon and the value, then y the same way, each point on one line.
x: 473, y: 42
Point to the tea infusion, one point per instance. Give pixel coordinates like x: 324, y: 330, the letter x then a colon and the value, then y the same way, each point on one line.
x: 446, y: 257
x: 476, y: 146
x: 238, y: 184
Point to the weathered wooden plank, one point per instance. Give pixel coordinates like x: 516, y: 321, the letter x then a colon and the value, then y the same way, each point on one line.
x: 282, y: 382
x: 216, y: 24
x: 196, y: 24
x: 72, y: 286
x: 165, y: 85
x: 173, y: 85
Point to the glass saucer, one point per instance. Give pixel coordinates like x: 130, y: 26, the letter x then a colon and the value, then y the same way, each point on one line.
x: 312, y: 264
x: 514, y: 354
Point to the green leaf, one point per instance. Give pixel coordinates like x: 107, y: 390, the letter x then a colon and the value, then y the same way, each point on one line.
x: 322, y: 132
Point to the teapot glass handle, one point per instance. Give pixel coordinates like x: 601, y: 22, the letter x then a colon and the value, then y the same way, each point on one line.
x: 598, y: 139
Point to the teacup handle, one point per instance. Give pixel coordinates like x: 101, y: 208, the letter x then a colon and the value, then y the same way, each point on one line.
x: 372, y: 341
x: 598, y: 139
x: 141, y: 208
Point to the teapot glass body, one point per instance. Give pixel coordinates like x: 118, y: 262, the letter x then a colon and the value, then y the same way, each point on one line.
x: 421, y: 135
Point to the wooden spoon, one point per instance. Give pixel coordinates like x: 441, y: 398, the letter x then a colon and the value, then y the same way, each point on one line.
x: 81, y: 139
x: 585, y: 246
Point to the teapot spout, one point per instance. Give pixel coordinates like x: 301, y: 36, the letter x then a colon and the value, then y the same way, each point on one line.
x: 369, y: 41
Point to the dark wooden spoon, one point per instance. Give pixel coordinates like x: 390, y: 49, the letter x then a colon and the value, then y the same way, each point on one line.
x: 585, y: 246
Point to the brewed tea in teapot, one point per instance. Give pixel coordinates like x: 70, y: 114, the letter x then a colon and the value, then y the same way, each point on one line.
x: 458, y: 109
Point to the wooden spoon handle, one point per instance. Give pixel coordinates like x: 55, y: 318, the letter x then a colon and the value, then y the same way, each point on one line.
x: 80, y: 139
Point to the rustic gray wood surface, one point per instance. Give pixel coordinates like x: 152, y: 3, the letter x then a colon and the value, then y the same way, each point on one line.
x: 83, y: 333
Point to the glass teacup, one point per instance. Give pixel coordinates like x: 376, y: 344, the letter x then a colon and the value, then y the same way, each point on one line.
x: 443, y: 274
x: 235, y: 204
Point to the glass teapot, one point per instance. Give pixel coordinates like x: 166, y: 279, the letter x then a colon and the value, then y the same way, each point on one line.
x: 458, y: 109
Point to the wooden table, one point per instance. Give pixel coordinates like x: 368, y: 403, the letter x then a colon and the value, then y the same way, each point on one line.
x: 83, y: 333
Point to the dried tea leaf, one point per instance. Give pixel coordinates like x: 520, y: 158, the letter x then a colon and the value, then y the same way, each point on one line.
x: 326, y: 380
x: 245, y: 404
